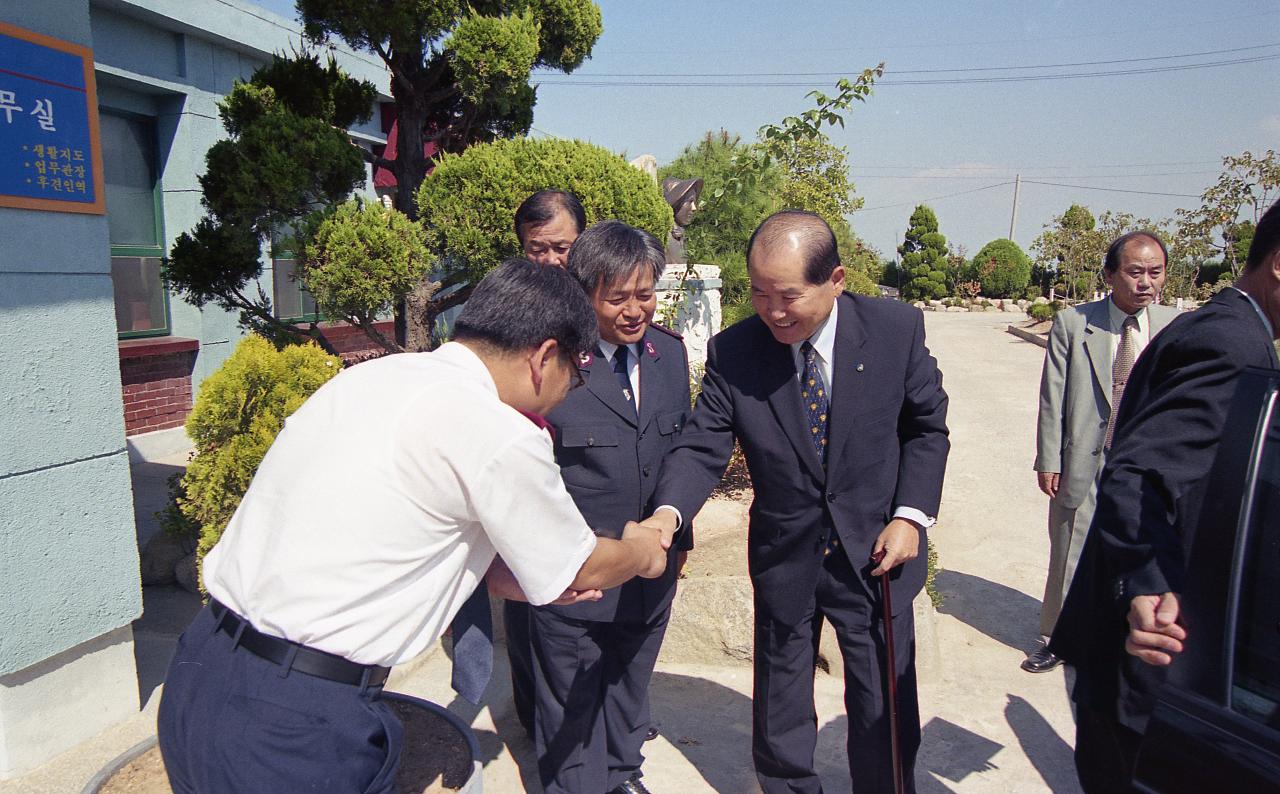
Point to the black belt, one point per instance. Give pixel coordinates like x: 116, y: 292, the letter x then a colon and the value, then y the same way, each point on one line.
x: 304, y: 660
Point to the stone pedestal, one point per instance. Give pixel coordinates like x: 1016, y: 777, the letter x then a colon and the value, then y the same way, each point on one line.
x: 691, y: 293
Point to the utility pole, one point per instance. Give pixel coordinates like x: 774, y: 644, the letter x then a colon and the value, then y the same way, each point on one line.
x: 1017, y: 184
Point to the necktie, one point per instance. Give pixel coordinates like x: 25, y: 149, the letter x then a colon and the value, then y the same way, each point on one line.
x: 620, y: 371
x: 813, y: 391
x: 1126, y: 352
x: 472, y: 631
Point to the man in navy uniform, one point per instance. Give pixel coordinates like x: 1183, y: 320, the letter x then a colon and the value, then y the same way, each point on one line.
x: 593, y: 661
x: 841, y: 415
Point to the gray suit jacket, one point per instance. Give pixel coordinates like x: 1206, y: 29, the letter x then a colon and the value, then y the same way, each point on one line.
x: 1075, y: 395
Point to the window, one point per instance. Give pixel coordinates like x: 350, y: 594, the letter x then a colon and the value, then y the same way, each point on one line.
x: 293, y: 303
x: 1255, y: 690
x: 134, y: 224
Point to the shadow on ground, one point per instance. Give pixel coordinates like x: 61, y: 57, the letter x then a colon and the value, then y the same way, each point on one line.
x: 1004, y: 614
x: 166, y: 612
x: 1048, y: 753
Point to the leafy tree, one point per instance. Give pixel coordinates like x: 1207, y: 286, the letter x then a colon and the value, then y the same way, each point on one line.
x: 1002, y: 269
x: 360, y: 260
x: 470, y: 199
x: 459, y: 75
x: 924, y: 257
x: 1070, y: 250
x: 1246, y: 187
x: 286, y: 156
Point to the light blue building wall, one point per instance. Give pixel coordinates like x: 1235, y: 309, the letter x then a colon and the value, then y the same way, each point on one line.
x: 69, y: 579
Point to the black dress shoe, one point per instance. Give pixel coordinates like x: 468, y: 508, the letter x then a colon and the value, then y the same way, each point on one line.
x: 652, y: 734
x: 631, y: 785
x: 1040, y: 662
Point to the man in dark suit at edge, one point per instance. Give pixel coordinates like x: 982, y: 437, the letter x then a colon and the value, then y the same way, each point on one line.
x: 593, y: 666
x: 1120, y: 624
x: 838, y: 473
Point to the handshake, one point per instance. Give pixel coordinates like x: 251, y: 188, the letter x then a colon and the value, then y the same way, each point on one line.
x: 649, y: 541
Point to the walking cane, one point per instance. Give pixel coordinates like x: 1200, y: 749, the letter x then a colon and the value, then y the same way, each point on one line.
x: 891, y: 674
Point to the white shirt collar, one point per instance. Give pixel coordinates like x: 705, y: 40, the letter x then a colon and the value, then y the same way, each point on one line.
x: 824, y: 338
x: 609, y: 348
x: 1118, y: 317
x: 1271, y: 331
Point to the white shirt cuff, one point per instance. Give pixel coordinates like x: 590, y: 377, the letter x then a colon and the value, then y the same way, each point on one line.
x: 679, y: 518
x: 912, y: 514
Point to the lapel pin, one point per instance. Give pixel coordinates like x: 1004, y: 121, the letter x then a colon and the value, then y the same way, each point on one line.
x: 650, y: 349
x: 859, y: 367
x: 584, y: 360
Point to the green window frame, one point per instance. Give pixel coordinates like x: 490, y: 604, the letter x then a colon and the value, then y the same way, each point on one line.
x: 136, y: 248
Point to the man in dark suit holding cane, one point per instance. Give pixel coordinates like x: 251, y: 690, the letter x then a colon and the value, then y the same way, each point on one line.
x: 839, y: 409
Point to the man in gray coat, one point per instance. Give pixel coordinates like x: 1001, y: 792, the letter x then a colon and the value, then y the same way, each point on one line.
x: 1092, y: 347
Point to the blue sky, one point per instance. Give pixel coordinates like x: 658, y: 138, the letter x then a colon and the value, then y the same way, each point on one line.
x: 1163, y: 131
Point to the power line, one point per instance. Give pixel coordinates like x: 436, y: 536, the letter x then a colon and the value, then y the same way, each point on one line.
x: 931, y: 71
x: 933, y: 45
x: 891, y: 82
x: 1051, y: 176
x: 934, y: 198
x: 1112, y: 189
x: 975, y: 167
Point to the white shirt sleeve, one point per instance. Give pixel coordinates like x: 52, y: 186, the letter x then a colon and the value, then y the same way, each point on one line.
x: 530, y: 518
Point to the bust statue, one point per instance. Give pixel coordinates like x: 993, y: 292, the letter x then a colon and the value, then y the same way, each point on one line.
x: 682, y: 195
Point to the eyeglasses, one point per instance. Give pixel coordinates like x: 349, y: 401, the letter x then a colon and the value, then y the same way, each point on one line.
x: 575, y: 375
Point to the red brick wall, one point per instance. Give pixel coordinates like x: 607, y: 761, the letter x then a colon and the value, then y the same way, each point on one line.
x: 353, y: 344
x: 156, y: 380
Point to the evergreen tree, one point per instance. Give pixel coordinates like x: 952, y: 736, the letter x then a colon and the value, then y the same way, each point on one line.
x: 924, y: 257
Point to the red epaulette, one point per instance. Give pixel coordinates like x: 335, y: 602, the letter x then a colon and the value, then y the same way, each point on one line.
x: 666, y: 331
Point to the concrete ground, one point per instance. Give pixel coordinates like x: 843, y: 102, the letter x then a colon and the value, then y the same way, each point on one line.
x: 988, y: 726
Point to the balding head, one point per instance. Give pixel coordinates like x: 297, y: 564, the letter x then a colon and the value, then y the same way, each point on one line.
x: 802, y: 231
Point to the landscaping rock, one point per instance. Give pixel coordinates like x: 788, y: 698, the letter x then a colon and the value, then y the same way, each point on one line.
x: 186, y: 573
x: 1041, y: 299
x: 160, y: 557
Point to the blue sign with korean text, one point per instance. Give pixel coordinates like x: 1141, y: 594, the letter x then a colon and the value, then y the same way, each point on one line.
x: 49, y: 153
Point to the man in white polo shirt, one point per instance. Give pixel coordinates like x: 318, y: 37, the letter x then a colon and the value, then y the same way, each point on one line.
x: 378, y: 510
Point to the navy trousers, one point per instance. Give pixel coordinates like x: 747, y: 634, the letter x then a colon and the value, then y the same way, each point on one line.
x: 784, y: 721
x: 592, y: 714
x: 232, y: 722
x: 515, y: 617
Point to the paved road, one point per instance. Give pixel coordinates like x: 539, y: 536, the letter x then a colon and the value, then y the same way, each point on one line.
x: 995, y: 727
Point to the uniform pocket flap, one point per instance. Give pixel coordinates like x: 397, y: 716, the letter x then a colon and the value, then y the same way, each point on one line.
x: 589, y: 436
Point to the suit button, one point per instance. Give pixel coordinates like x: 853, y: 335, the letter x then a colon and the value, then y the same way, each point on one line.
x: 831, y: 497
x: 645, y: 470
x: 591, y: 441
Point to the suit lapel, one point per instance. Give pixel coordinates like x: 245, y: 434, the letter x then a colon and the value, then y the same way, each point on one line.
x: 778, y: 373
x: 602, y: 383
x: 1097, y: 343
x: 847, y: 370
x: 651, y: 381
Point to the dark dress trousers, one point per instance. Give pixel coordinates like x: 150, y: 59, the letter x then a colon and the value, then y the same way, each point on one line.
x: 887, y: 447
x: 593, y: 661
x: 1149, y: 495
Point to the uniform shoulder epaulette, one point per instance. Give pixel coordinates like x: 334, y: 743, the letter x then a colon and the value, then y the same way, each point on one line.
x: 666, y: 330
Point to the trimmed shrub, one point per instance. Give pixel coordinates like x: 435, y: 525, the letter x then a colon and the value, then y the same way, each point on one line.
x: 468, y: 202
x: 240, y: 411
x: 1040, y: 312
x: 1002, y: 268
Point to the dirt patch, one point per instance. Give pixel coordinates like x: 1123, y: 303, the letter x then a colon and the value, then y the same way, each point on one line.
x: 435, y: 759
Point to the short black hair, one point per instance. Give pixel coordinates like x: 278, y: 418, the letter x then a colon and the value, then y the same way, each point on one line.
x: 1112, y: 260
x: 610, y: 250
x: 817, y: 241
x: 1266, y: 239
x: 542, y: 206
x: 520, y: 305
